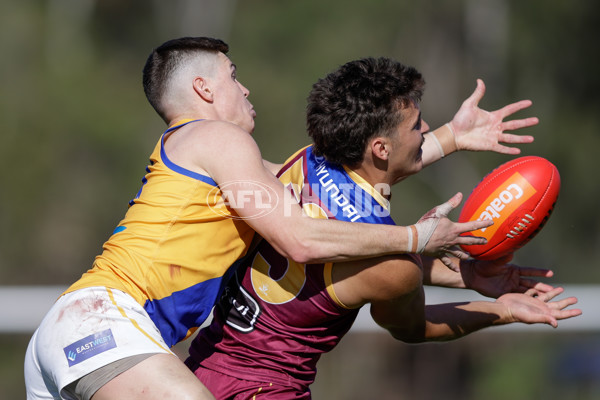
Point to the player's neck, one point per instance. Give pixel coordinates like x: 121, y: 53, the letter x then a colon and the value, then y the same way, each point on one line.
x: 375, y: 177
x: 192, y: 113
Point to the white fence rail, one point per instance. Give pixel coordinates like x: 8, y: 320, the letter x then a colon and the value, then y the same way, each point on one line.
x: 23, y: 307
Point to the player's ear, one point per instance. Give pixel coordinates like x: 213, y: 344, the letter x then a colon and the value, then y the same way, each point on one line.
x: 379, y: 148
x: 203, y: 89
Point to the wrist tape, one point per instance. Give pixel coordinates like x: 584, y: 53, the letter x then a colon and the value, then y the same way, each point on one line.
x: 448, y: 143
x: 420, y: 233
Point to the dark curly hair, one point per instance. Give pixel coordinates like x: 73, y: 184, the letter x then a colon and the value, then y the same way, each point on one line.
x: 358, y: 101
x: 167, y: 57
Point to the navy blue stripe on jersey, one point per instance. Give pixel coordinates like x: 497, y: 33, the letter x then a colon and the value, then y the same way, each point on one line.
x: 180, y: 170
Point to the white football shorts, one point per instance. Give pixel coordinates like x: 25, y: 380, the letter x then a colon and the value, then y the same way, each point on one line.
x: 83, y: 331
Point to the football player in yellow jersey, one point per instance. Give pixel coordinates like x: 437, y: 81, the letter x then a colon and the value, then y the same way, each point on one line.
x: 206, y: 191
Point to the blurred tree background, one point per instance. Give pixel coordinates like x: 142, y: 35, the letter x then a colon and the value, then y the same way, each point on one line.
x: 77, y: 132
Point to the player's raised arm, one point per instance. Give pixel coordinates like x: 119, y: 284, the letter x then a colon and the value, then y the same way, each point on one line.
x: 475, y: 129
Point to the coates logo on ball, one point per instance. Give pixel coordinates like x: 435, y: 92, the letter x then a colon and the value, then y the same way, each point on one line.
x: 519, y: 197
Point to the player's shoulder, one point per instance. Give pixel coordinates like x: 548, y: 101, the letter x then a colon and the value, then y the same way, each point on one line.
x: 211, y: 129
x: 210, y: 136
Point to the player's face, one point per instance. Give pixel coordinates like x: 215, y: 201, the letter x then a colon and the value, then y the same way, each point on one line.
x: 231, y: 97
x: 406, y: 157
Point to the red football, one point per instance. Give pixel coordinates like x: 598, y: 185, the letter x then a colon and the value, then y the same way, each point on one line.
x: 519, y: 197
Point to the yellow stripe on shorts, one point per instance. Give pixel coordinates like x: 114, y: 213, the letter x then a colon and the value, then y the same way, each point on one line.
x: 134, y: 322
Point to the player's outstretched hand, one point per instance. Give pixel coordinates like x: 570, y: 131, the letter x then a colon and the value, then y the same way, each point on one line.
x: 498, y: 277
x: 480, y: 130
x: 533, y: 308
x: 439, y: 237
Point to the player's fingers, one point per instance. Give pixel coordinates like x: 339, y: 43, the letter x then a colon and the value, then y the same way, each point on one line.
x: 477, y: 94
x: 561, y: 313
x: 540, y: 287
x: 547, y: 296
x: 566, y: 314
x: 470, y: 226
x: 513, y: 108
x: 514, y: 139
x: 539, y: 272
x: 509, y: 138
x: 458, y: 253
x: 562, y: 303
x: 444, y: 209
x: 519, y: 123
x: 448, y: 262
x: 498, y: 148
x: 470, y: 240
x: 523, y: 289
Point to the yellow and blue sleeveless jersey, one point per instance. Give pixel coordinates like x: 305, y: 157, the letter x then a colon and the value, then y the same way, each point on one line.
x: 173, y: 250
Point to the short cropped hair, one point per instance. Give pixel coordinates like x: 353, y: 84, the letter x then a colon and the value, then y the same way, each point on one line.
x: 360, y: 100
x: 166, y: 58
